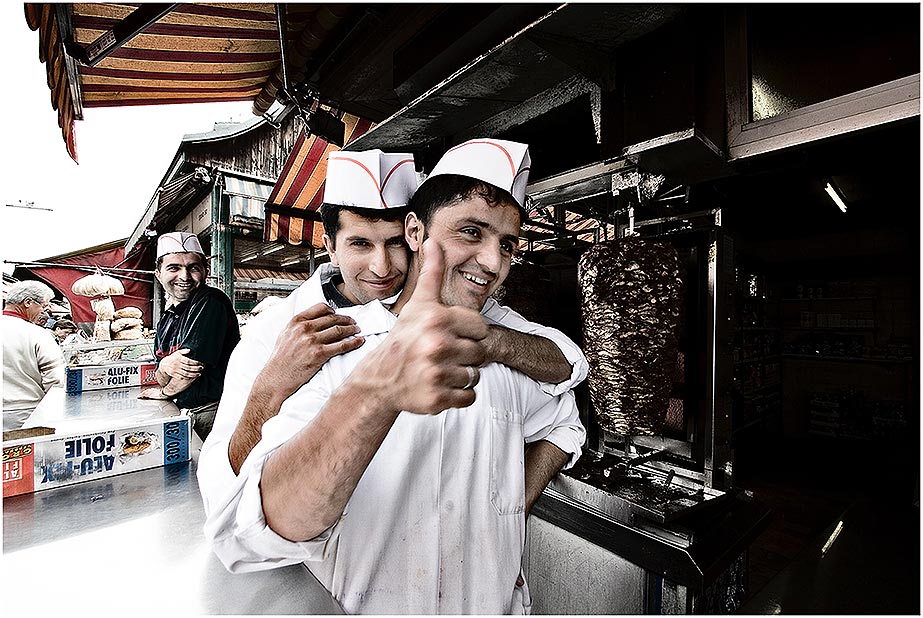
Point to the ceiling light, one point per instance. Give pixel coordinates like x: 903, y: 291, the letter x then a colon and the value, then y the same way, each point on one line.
x: 291, y: 261
x: 835, y: 196
x: 250, y: 257
x: 832, y: 538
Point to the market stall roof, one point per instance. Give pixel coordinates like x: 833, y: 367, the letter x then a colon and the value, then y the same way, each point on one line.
x: 299, y: 191
x: 560, y: 55
x: 110, y: 55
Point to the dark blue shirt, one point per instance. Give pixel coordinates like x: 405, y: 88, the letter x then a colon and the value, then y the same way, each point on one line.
x: 206, y: 324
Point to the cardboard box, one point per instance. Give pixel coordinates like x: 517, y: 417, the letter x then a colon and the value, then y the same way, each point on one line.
x: 102, y: 435
x: 116, y: 375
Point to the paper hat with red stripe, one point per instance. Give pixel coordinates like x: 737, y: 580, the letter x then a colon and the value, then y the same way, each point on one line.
x: 370, y: 179
x: 498, y: 162
x: 178, y: 242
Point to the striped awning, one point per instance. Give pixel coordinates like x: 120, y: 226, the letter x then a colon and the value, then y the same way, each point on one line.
x: 246, y: 197
x: 299, y: 191
x: 540, y: 232
x: 195, y: 53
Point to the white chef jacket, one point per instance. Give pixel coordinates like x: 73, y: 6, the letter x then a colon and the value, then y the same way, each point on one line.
x: 258, y: 341
x: 32, y: 364
x: 436, y: 523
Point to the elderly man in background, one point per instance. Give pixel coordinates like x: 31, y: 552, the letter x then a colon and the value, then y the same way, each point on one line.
x: 196, y: 334
x: 32, y: 360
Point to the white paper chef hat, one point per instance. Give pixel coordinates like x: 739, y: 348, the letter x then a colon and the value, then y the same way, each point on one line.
x: 498, y: 162
x: 370, y: 179
x: 178, y: 242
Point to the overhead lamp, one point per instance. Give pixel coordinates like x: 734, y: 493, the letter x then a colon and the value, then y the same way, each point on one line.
x: 249, y: 258
x: 835, y: 196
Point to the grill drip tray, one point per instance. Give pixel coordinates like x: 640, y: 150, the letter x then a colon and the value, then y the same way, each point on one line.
x: 606, y: 483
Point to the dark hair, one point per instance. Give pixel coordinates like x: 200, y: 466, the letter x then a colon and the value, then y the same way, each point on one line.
x: 64, y: 323
x: 448, y: 189
x: 330, y: 216
x: 202, y: 259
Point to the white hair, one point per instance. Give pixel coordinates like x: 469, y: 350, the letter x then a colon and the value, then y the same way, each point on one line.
x: 22, y: 291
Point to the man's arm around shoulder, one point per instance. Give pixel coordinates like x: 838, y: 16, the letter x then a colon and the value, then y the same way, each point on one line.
x: 543, y: 353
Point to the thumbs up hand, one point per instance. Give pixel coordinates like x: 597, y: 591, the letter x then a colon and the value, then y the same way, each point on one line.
x: 429, y: 361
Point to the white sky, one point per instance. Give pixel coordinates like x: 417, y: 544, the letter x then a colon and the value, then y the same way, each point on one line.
x: 123, y: 153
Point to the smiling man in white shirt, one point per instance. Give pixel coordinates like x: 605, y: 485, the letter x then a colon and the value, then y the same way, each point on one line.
x: 402, y: 473
x: 365, y: 201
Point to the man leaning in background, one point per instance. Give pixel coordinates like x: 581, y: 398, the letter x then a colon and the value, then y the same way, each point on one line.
x: 196, y: 334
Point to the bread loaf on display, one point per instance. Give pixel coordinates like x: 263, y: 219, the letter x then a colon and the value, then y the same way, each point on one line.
x: 128, y: 333
x: 127, y: 312
x: 104, y: 307
x: 101, y: 330
x: 123, y: 323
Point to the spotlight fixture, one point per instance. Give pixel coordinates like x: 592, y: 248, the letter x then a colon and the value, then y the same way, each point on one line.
x: 835, y: 196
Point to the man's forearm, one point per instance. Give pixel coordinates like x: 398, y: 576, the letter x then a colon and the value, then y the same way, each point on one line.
x: 543, y: 461
x: 307, y: 482
x: 262, y: 404
x: 539, y: 358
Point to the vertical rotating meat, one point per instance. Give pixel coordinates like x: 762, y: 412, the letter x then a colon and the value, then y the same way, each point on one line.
x: 632, y: 310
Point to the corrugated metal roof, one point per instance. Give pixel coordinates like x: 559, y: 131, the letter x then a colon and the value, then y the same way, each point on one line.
x: 301, y: 186
x: 195, y: 53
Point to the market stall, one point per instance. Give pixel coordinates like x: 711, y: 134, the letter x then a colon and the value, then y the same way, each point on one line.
x: 100, y: 486
x: 130, y: 540
x: 639, y: 118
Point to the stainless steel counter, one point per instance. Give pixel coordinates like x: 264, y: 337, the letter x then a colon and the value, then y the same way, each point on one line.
x: 133, y: 544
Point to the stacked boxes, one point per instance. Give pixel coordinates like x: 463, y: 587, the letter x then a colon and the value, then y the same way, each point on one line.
x: 117, y: 375
x: 96, y: 435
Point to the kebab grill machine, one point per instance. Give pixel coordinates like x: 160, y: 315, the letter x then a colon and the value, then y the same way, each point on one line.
x: 648, y: 521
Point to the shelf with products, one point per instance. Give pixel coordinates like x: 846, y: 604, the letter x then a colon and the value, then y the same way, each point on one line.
x: 767, y: 390
x: 852, y: 414
x: 848, y: 359
x: 756, y: 392
x: 829, y: 298
x: 753, y: 345
x: 841, y: 346
x: 758, y: 359
x: 835, y: 329
x: 807, y: 290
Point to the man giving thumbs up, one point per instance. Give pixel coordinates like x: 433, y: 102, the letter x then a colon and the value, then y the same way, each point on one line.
x: 402, y: 473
